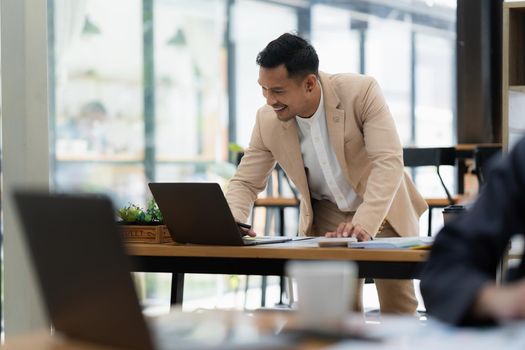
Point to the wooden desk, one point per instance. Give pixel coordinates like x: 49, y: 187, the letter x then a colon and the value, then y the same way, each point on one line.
x: 470, y: 147
x: 266, y: 260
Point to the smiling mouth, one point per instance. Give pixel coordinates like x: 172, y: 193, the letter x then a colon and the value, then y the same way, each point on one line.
x: 278, y: 109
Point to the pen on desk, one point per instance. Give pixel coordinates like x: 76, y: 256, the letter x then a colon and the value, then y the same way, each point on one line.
x: 244, y: 225
x: 421, y: 247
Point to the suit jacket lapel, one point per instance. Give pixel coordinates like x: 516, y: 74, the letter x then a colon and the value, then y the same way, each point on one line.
x: 335, y: 122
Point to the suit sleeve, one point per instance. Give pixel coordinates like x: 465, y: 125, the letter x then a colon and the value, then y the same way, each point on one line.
x: 251, y: 176
x: 386, y: 156
x: 466, y: 252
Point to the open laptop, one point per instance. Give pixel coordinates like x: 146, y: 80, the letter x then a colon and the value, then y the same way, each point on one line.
x: 198, y: 213
x: 83, y: 273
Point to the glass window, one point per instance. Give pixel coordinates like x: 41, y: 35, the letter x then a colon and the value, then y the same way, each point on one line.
x: 190, y: 66
x: 387, y: 46
x: 435, y: 64
x: 100, y: 91
x: 337, y: 45
x: 434, y: 108
x: 98, y: 82
x: 98, y: 97
x: 250, y: 37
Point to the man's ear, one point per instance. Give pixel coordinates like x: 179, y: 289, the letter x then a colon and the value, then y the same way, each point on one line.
x: 310, y: 82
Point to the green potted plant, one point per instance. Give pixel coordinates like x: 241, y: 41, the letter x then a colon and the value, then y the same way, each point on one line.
x: 138, y: 225
x: 135, y: 215
x: 236, y: 152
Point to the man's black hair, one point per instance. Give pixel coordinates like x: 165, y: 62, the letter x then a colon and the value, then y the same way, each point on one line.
x: 297, y: 55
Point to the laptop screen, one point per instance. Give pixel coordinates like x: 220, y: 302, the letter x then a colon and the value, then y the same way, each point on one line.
x: 196, y: 213
x: 82, y: 268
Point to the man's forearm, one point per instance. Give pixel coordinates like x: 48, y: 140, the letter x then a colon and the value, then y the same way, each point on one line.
x: 377, y: 199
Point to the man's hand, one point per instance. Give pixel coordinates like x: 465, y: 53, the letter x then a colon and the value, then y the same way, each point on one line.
x: 501, y: 303
x: 347, y: 229
x: 246, y: 231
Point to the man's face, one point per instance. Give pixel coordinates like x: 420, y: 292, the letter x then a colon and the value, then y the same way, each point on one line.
x: 287, y: 96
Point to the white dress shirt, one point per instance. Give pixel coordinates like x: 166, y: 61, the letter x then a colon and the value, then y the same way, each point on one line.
x: 325, y: 176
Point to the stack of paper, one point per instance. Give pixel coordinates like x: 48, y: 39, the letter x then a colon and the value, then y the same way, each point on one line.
x: 395, y: 243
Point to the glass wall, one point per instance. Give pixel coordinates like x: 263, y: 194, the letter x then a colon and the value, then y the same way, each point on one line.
x: 388, y: 45
x: 434, y: 107
x: 155, y: 90
x: 190, y: 102
x: 331, y: 27
x: 250, y: 37
x: 98, y: 97
x: 140, y: 96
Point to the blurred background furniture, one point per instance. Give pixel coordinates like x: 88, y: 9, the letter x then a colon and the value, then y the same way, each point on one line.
x: 483, y: 156
x: 435, y: 157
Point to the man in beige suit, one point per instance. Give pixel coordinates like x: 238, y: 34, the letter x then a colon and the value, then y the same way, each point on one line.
x: 336, y: 140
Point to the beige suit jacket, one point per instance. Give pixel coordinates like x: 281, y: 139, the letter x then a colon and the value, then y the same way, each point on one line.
x: 364, y: 138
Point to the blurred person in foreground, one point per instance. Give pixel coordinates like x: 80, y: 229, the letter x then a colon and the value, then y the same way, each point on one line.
x: 336, y: 140
x: 459, y: 281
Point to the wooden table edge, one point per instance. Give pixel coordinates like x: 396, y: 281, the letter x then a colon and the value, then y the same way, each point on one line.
x: 277, y: 252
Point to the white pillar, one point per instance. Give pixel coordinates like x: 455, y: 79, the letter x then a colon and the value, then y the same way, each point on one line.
x: 25, y: 148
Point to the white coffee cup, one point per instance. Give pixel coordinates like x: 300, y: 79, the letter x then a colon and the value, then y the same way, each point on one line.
x: 325, y: 291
